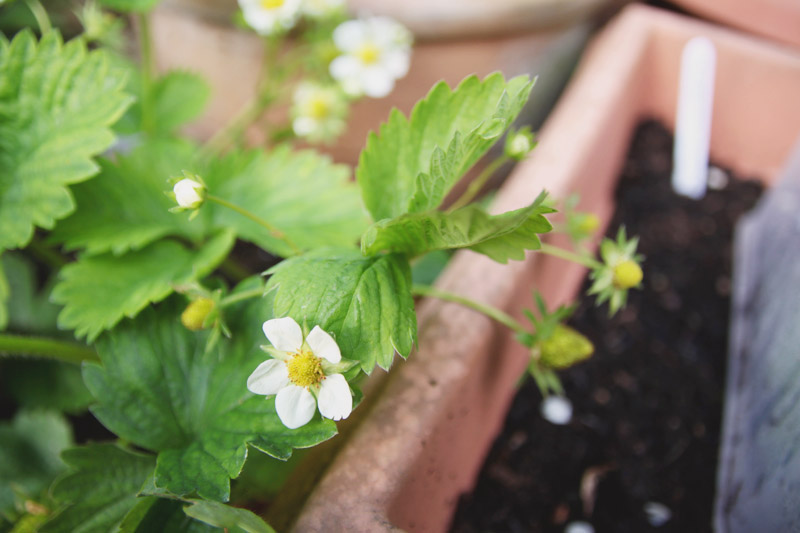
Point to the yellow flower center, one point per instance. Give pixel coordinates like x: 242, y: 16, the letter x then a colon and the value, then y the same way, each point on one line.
x: 195, y: 314
x: 368, y: 53
x: 318, y: 107
x: 305, y: 369
x: 588, y: 224
x: 271, y: 4
x: 627, y: 274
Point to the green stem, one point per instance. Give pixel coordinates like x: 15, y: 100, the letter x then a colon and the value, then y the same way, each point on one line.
x: 148, y: 71
x: 275, y: 232
x: 584, y: 260
x: 69, y: 352
x: 491, y: 312
x: 240, y: 296
x: 255, y: 108
x: 477, y: 184
x: 41, y: 252
x: 234, y: 270
x: 40, y: 14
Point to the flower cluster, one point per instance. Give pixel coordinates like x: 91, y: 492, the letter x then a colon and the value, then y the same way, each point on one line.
x: 303, y: 374
x: 318, y: 112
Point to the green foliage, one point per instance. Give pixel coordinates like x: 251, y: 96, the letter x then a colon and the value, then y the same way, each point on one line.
x: 302, y: 194
x: 500, y: 237
x: 167, y: 389
x: 99, y: 491
x: 29, y: 461
x: 364, y: 302
x: 411, y: 164
x: 232, y: 519
x: 43, y: 384
x: 152, y: 514
x: 5, y: 291
x: 178, y: 98
x: 130, y: 6
x: 33, y: 311
x: 98, y: 291
x: 124, y: 208
x: 57, y: 102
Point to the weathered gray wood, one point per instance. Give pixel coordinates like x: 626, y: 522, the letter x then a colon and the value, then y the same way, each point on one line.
x: 758, y: 487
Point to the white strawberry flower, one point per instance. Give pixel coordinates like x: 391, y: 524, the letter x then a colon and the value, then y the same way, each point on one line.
x: 318, y: 112
x: 189, y: 193
x: 269, y: 16
x: 303, y: 374
x: 375, y: 53
x: 322, y: 8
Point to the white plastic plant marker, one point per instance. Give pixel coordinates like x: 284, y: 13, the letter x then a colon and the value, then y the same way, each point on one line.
x: 693, y: 120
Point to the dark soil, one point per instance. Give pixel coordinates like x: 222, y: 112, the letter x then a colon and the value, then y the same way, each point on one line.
x: 647, y: 406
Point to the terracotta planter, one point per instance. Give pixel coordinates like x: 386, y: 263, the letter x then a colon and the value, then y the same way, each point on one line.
x: 774, y: 19
x: 513, y: 36
x: 420, y: 444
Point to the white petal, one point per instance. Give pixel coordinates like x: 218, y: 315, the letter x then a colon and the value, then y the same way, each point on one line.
x: 323, y: 345
x: 284, y: 334
x: 295, y: 406
x: 349, y: 35
x: 377, y: 83
x: 556, y: 410
x: 268, y: 378
x: 303, y: 126
x: 396, y: 62
x: 344, y: 67
x: 335, y: 400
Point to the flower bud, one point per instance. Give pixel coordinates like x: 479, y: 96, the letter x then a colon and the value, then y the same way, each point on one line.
x: 196, y: 313
x: 627, y: 274
x: 189, y: 193
x: 518, y: 144
x: 565, y: 347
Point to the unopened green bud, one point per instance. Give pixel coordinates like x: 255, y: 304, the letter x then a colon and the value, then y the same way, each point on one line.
x: 519, y: 144
x: 196, y: 313
x: 627, y: 274
x: 565, y: 347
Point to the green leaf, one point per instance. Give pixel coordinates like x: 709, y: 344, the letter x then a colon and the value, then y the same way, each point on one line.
x: 178, y: 98
x: 364, y: 302
x: 130, y: 6
x: 230, y: 518
x: 124, y: 208
x: 159, y: 514
x: 43, y: 384
x: 302, y: 194
x: 411, y: 164
x: 501, y: 237
x: 164, y: 388
x: 33, y: 311
x: 5, y: 290
x: 57, y: 102
x: 100, y: 489
x: 98, y: 291
x: 30, y: 446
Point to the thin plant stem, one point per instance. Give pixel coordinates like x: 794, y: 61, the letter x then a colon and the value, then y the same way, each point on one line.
x: 491, y: 312
x: 69, y: 352
x: 40, y: 14
x: 275, y: 232
x: 234, y: 270
x: 584, y: 260
x: 46, y: 254
x: 148, y: 70
x: 477, y: 184
x: 241, y: 296
x: 255, y: 108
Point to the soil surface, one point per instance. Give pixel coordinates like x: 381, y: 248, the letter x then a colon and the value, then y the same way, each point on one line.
x: 647, y: 406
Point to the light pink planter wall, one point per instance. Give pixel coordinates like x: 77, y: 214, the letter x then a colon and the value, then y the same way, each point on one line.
x: 426, y: 436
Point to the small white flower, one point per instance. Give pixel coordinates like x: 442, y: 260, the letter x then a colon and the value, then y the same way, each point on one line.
x: 318, y: 112
x: 268, y: 16
x: 321, y: 8
x: 557, y: 410
x: 375, y: 53
x: 189, y: 193
x: 301, y: 371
